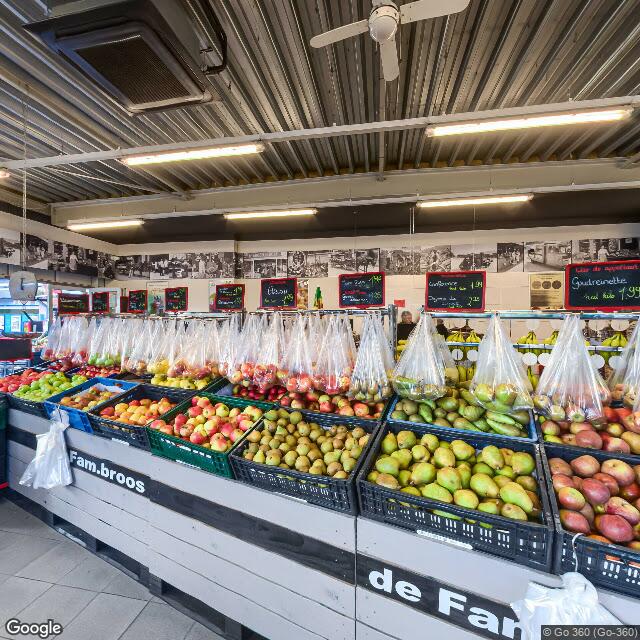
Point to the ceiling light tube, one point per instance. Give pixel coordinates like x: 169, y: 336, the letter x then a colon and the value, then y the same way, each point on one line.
x: 475, y: 201
x: 271, y: 214
x: 107, y: 224
x: 530, y: 122
x: 192, y: 154
x: 4, y: 174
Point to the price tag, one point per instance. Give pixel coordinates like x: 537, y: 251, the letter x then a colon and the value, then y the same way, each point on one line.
x: 472, y: 355
x: 529, y: 359
x: 544, y: 358
x: 598, y: 361
x: 457, y: 354
x: 615, y: 362
x: 619, y: 325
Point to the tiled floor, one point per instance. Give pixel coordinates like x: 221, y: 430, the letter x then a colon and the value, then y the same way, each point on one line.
x: 44, y: 575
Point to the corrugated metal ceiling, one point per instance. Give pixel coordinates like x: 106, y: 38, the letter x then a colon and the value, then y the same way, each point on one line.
x: 498, y: 53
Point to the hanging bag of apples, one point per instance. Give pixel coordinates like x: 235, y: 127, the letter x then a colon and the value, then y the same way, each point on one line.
x: 370, y: 382
x: 571, y: 395
x: 268, y: 357
x: 298, y: 369
x: 335, y: 361
x: 53, y: 339
x: 424, y: 371
x: 500, y: 383
x: 624, y: 384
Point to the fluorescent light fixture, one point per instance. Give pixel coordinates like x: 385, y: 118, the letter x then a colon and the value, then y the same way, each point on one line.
x: 107, y: 224
x: 271, y: 214
x: 4, y: 174
x: 530, y: 122
x: 192, y: 154
x: 469, y: 202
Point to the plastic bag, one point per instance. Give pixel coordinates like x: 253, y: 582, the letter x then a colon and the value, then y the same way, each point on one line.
x: 195, y: 353
x: 298, y: 370
x: 177, y: 363
x: 249, y: 349
x: 158, y: 353
x: 624, y: 381
x: 229, y: 334
x: 80, y: 341
x: 53, y: 340
x: 500, y: 383
x: 336, y: 359
x: 575, y: 603
x: 50, y: 467
x: 269, y: 355
x: 370, y: 382
x: 212, y: 348
x: 136, y: 359
x: 570, y: 388
x: 422, y: 373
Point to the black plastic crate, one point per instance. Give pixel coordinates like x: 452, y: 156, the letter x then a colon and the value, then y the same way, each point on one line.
x: 527, y: 543
x: 134, y: 435
x: 606, y: 565
x: 28, y: 406
x: 193, y: 455
x: 324, y: 491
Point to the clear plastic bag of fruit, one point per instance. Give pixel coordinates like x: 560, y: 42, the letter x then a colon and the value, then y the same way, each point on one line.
x: 96, y: 342
x: 570, y: 388
x: 500, y: 383
x: 422, y: 372
x: 63, y: 349
x: 80, y: 341
x: 270, y: 354
x: 624, y: 381
x: 298, y: 369
x: 163, y: 338
x: 334, y: 364
x: 175, y: 352
x: 195, y: 352
x: 133, y: 339
x: 249, y: 348
x: 229, y: 333
x: 370, y: 381
x: 212, y: 347
x: 53, y: 339
x: 135, y: 361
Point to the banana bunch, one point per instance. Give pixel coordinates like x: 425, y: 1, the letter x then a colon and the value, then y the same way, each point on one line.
x: 534, y: 378
x: 552, y: 339
x: 530, y: 338
x: 618, y: 339
x: 465, y: 375
x: 457, y: 336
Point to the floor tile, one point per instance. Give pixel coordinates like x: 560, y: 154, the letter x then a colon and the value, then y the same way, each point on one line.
x: 60, y: 604
x: 105, y: 618
x: 200, y: 632
x: 123, y: 585
x: 17, y: 520
x: 93, y: 574
x: 56, y: 563
x: 22, y: 551
x: 18, y: 593
x: 158, y: 622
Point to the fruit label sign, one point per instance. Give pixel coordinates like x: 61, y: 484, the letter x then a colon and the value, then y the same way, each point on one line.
x: 278, y: 293
x: 69, y: 303
x: 229, y: 297
x: 176, y: 299
x: 110, y: 471
x: 481, y: 616
x: 361, y: 290
x: 100, y: 302
x: 607, y: 286
x: 137, y: 301
x: 449, y: 291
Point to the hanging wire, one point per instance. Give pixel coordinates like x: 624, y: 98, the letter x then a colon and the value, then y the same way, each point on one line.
x: 23, y: 256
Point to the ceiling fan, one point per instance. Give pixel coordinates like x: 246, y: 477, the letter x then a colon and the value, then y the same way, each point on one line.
x: 382, y: 25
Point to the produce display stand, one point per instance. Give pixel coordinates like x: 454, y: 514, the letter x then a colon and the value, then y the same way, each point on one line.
x: 252, y: 559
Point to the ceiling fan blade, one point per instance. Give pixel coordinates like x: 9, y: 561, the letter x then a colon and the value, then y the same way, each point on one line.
x: 389, y: 59
x: 426, y: 9
x: 340, y: 33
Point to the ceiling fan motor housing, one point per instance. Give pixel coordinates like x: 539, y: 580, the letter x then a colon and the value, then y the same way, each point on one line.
x: 383, y: 22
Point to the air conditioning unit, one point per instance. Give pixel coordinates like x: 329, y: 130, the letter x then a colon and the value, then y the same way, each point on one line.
x: 150, y: 55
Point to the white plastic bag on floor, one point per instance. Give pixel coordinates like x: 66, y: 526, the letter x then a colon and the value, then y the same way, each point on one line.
x: 50, y: 467
x: 576, y: 602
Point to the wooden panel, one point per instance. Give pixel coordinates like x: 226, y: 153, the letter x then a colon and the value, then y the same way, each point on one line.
x: 234, y: 605
x: 315, y: 585
x: 254, y: 586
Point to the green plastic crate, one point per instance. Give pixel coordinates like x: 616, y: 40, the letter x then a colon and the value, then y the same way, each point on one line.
x: 194, y: 455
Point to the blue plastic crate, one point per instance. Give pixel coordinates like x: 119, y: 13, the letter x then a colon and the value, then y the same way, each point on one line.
x: 533, y: 435
x: 79, y: 419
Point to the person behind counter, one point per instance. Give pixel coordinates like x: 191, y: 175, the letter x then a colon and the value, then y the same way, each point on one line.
x: 405, y: 326
x: 441, y: 329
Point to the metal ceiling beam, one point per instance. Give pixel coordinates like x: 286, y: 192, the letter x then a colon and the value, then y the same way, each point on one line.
x: 324, y: 132
x: 404, y: 185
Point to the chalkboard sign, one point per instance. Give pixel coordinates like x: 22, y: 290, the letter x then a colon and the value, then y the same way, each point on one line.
x: 100, y: 302
x: 229, y: 297
x: 609, y: 286
x: 455, y: 290
x: 361, y: 290
x: 176, y: 299
x: 73, y: 303
x: 137, y: 301
x: 278, y: 293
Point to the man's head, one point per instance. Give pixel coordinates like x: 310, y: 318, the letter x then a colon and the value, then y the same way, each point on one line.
x: 406, y: 317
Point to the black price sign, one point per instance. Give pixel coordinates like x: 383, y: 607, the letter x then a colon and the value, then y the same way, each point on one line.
x: 449, y: 291
x: 176, y: 299
x: 100, y: 302
x: 229, y: 297
x: 69, y: 303
x: 603, y: 285
x: 361, y: 290
x: 278, y: 293
x: 137, y: 301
